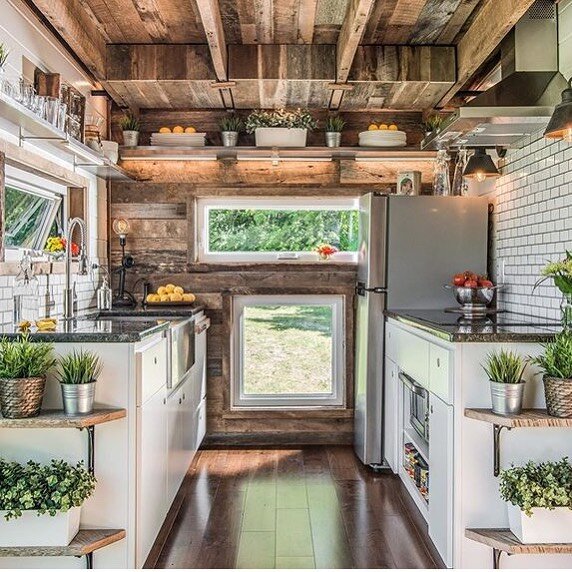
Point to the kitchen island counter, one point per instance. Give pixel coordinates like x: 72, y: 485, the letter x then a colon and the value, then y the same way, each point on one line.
x: 450, y: 326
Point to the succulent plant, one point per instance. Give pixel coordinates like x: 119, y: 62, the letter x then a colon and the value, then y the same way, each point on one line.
x: 130, y: 123
x: 296, y: 119
x: 504, y: 366
x: 79, y: 367
x: 335, y: 124
x: 24, y: 359
x: 232, y: 123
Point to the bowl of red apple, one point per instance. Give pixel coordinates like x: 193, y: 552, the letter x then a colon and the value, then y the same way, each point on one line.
x: 474, y: 292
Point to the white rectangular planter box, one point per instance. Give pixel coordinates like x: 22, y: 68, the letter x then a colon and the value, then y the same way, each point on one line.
x: 543, y: 527
x: 280, y: 137
x: 44, y: 530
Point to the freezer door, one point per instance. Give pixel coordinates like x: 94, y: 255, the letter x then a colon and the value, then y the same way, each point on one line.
x: 372, y: 240
x: 368, y: 427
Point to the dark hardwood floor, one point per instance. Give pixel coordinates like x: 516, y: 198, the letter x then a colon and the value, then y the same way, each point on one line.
x: 315, y: 507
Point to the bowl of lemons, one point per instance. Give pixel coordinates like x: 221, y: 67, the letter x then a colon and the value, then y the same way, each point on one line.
x: 170, y: 294
x: 383, y: 135
x: 178, y: 136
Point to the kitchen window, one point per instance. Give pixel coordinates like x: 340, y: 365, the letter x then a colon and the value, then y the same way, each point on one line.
x: 275, y: 229
x: 288, y: 351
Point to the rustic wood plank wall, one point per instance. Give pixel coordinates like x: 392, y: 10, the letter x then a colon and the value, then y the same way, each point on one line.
x: 161, y: 208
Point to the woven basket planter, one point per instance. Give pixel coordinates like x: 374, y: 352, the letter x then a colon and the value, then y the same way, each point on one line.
x: 20, y: 398
x: 558, y: 395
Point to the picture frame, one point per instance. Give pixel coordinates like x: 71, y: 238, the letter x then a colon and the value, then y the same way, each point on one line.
x: 409, y: 183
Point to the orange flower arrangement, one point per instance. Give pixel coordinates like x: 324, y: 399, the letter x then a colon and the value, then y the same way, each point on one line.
x: 325, y: 251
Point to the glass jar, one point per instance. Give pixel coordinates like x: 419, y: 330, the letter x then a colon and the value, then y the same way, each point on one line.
x: 441, y: 181
x: 460, y: 188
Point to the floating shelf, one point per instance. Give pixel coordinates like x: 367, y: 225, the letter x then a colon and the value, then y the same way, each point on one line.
x: 57, y: 419
x: 207, y: 153
x: 27, y: 126
x: 85, y: 543
x: 527, y: 418
x: 503, y: 540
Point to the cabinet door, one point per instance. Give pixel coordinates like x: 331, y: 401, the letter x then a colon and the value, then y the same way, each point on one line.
x: 189, y: 426
x: 177, y: 427
x: 151, y: 472
x: 441, y: 477
x: 390, y: 431
x: 201, y: 424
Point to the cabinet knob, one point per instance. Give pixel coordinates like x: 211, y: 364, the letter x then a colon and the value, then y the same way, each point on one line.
x: 155, y: 360
x: 180, y: 401
x: 164, y: 401
x: 438, y: 362
x: 184, y: 397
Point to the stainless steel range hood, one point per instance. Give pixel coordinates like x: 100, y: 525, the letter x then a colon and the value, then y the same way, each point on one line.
x: 522, y: 102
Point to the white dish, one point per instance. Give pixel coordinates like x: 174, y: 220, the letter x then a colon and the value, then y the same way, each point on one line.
x: 178, y: 139
x: 383, y: 139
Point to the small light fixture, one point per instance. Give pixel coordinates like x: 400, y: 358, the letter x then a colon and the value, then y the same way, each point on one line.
x: 123, y: 298
x: 480, y: 166
x: 121, y: 228
x: 560, y: 124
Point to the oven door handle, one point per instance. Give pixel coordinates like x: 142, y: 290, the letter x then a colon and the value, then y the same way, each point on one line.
x: 203, y: 325
x: 412, y: 385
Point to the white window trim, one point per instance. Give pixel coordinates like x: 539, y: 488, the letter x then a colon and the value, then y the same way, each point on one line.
x: 22, y: 180
x: 282, y: 203
x: 337, y: 398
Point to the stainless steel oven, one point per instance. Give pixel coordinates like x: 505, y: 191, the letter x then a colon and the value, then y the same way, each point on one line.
x: 181, y: 344
x: 417, y: 398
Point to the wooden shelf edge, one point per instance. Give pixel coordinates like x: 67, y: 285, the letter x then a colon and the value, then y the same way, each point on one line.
x: 503, y: 539
x: 56, y: 419
x: 86, y: 541
x: 528, y: 418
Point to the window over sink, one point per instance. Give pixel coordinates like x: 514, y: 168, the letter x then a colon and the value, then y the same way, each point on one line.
x: 264, y: 229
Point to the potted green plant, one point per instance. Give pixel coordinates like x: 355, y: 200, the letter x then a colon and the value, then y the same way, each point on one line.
x: 433, y: 124
x: 539, y: 501
x: 334, y: 127
x: 130, y: 126
x: 40, y: 505
x: 280, y: 128
x: 23, y: 368
x: 504, y: 369
x: 556, y: 366
x: 77, y: 374
x: 561, y: 274
x: 230, y: 127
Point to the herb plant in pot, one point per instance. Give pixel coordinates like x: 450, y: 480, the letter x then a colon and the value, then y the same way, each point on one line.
x: 539, y: 501
x: 230, y: 127
x: 40, y: 505
x: 77, y: 375
x: 334, y: 127
x: 556, y: 365
x: 504, y: 369
x: 280, y: 128
x: 130, y: 126
x: 23, y: 368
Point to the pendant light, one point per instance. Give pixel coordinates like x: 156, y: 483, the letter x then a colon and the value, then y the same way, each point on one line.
x: 560, y: 124
x: 480, y: 166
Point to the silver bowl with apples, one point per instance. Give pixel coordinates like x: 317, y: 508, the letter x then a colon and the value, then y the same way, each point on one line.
x: 473, y: 292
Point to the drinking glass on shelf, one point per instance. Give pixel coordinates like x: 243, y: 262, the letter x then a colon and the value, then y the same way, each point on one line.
x: 62, y: 115
x: 29, y: 96
x: 41, y: 106
x: 52, y: 106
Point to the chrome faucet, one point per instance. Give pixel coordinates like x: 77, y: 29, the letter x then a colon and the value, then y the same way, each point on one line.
x: 69, y: 307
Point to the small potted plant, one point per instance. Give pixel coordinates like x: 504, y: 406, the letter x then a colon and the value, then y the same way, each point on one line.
x: 561, y: 274
x: 78, y: 373
x: 230, y: 127
x: 334, y: 127
x: 56, y: 247
x: 556, y: 366
x: 539, y: 501
x: 40, y: 505
x: 326, y: 251
x: 23, y: 368
x: 504, y: 369
x: 432, y: 124
x: 280, y: 128
x: 130, y: 126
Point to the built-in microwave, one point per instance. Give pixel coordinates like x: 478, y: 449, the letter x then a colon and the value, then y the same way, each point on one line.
x: 418, y: 400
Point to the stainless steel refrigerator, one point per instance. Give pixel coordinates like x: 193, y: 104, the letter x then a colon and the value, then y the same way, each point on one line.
x: 409, y: 248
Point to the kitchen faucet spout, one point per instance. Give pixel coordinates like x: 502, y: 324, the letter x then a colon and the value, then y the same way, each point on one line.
x: 69, y: 293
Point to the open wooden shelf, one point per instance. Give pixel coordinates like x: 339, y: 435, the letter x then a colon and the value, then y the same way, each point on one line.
x: 528, y: 418
x: 57, y: 419
x: 503, y: 540
x: 85, y: 542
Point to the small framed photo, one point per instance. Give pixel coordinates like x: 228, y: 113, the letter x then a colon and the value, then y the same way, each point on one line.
x: 409, y: 183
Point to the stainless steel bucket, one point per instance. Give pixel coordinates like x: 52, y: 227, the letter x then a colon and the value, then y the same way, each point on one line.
x: 78, y: 397
x: 229, y: 138
x: 507, y: 398
x: 333, y: 139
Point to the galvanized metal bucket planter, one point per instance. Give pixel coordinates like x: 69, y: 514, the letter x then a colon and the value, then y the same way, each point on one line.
x: 558, y: 395
x: 78, y: 397
x: 21, y: 398
x: 333, y: 138
x: 131, y: 138
x: 507, y: 397
x: 229, y: 138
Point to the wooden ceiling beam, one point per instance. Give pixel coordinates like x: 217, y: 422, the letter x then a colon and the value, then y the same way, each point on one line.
x: 348, y: 41
x: 493, y: 22
x: 209, y: 13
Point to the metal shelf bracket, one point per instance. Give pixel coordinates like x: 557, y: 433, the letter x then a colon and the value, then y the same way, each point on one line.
x: 90, y: 447
x: 497, y: 429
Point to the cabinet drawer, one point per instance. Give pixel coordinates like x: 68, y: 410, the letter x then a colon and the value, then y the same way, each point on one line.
x: 413, y: 356
x: 439, y: 373
x: 151, y: 364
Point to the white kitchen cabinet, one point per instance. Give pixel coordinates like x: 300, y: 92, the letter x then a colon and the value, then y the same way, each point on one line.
x: 200, y: 424
x: 440, y: 519
x: 178, y: 426
x: 152, y: 461
x: 390, y: 418
x: 440, y: 379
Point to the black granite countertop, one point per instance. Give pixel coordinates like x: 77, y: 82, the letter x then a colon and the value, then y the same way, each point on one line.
x: 155, y: 311
x: 451, y: 326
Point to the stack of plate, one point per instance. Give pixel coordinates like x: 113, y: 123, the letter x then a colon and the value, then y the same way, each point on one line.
x: 178, y: 139
x: 383, y: 138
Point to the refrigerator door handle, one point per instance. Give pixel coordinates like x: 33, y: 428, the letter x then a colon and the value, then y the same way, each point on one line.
x: 361, y: 290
